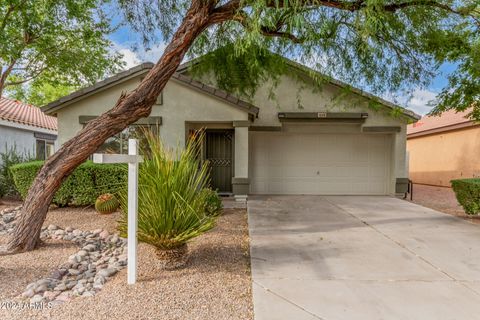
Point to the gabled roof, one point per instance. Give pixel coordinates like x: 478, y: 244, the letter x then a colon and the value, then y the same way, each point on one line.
x: 182, y: 77
x: 19, y: 112
x: 305, y: 70
x: 448, y: 120
x: 52, y: 107
x: 248, y: 107
x: 144, y: 68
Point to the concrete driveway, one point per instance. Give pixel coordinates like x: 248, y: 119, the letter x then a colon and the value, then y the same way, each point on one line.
x: 360, y: 257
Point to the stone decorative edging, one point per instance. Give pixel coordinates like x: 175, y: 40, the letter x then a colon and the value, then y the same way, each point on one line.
x: 7, y: 219
x: 101, y: 256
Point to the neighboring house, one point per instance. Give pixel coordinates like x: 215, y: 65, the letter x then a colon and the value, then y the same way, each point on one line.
x: 265, y: 146
x: 442, y: 148
x: 26, y: 129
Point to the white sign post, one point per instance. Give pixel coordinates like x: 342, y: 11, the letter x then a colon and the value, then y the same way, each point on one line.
x: 133, y: 159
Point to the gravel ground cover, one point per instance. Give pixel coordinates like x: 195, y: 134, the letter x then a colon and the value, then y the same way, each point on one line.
x: 215, y: 284
x: 441, y: 199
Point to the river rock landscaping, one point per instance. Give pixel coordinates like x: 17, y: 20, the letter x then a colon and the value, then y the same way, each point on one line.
x: 7, y: 219
x: 100, y: 257
x: 215, y: 283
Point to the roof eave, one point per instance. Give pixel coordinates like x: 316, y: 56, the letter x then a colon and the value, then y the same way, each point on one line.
x: 304, y: 69
x: 217, y: 93
x: 452, y: 127
x: 406, y: 112
x: 53, y: 107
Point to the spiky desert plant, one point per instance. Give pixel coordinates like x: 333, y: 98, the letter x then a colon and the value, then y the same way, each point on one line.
x: 170, y: 200
x: 107, y: 203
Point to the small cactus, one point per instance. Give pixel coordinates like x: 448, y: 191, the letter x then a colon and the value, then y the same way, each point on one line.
x: 106, y: 203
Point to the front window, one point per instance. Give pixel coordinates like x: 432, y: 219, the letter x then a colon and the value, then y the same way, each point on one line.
x: 44, y: 149
x: 119, y: 142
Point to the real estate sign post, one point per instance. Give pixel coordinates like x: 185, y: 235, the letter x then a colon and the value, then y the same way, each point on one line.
x: 133, y: 159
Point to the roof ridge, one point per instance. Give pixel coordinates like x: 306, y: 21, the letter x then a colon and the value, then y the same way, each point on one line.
x: 302, y: 68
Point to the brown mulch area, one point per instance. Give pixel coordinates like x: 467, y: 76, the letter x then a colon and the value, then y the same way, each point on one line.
x: 441, y: 199
x: 216, y: 283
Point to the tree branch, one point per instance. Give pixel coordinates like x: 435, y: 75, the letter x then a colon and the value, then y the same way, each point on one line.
x: 360, y: 4
x: 5, y: 75
x: 5, y: 18
x: 10, y: 10
x: 231, y: 8
x: 31, y: 77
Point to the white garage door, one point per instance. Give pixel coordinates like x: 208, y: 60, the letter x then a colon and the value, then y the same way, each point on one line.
x: 319, y: 163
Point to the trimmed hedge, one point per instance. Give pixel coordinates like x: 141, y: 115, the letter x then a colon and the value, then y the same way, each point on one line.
x: 467, y: 192
x: 82, y: 187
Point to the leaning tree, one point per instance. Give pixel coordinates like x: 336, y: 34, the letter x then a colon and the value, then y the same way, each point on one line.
x: 385, y: 45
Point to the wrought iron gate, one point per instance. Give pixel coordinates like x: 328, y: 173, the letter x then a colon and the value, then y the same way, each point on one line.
x: 219, y: 153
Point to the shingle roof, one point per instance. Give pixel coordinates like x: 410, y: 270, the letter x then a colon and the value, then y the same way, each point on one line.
x: 448, y: 120
x: 144, y: 68
x: 248, y: 107
x: 19, y: 112
x: 410, y: 114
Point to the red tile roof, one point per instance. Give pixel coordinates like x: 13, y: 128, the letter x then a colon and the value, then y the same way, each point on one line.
x: 446, y: 121
x: 19, y: 112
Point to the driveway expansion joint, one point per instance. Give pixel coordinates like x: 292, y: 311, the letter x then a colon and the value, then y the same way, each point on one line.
x: 355, y: 273
x: 288, y: 301
x: 431, y: 264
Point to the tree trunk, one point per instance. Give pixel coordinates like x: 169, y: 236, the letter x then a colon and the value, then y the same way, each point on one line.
x: 128, y: 109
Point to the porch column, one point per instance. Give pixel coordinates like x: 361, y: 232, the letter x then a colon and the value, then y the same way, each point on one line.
x: 240, y: 181
x: 400, y: 173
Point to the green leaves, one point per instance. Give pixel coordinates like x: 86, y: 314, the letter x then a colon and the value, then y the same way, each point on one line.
x: 64, y: 41
x: 81, y: 188
x: 383, y: 46
x: 467, y: 192
x: 40, y: 91
x: 171, y: 203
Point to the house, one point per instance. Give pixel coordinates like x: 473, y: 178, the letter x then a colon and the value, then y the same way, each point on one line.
x: 26, y: 129
x: 442, y: 148
x: 265, y: 146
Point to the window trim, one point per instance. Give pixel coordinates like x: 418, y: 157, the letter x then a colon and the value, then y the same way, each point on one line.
x: 46, y: 142
x: 124, y: 142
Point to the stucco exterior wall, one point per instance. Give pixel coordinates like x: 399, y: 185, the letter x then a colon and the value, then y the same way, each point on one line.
x: 312, y: 100
x: 180, y: 105
x: 21, y: 137
x: 185, y: 107
x: 23, y: 141
x: 436, y: 159
x: 326, y: 99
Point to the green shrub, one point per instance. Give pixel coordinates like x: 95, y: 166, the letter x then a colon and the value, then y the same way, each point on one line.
x: 213, y: 202
x: 467, y: 192
x: 3, y: 187
x: 9, y: 158
x: 171, y: 204
x: 82, y: 187
x: 23, y: 175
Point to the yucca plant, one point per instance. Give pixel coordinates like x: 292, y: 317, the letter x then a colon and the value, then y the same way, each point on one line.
x: 170, y: 200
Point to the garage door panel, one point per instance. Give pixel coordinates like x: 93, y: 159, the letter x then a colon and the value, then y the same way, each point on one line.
x: 295, y: 162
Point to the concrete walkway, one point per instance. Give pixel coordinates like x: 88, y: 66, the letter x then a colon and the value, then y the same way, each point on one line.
x: 353, y: 257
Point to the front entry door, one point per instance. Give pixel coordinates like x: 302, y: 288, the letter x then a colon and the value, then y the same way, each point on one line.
x: 219, y: 153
